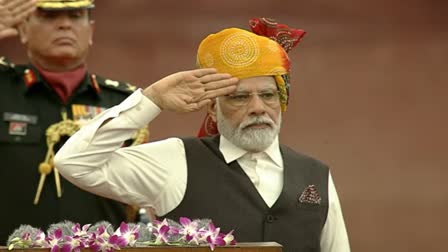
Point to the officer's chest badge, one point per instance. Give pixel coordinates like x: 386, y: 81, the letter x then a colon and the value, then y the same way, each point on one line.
x: 17, y: 128
x: 84, y: 113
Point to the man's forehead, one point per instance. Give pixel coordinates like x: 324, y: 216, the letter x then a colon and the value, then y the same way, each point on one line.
x: 256, y: 83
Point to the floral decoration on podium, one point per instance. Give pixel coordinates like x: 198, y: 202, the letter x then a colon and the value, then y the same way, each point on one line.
x: 71, y: 237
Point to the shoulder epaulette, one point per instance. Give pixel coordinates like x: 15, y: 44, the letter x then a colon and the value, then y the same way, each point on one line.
x: 5, y: 64
x: 115, y: 85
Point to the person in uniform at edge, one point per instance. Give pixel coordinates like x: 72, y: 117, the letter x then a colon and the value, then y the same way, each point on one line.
x: 242, y: 178
x: 54, y: 89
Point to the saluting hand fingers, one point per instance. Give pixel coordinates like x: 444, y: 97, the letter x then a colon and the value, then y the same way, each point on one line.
x: 21, y: 11
x: 15, y: 4
x: 198, y: 73
x: 8, y: 33
x: 221, y: 83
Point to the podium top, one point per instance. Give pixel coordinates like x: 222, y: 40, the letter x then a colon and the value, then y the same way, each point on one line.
x: 239, y: 247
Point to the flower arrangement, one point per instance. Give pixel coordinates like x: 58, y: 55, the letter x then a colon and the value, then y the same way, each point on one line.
x: 71, y: 237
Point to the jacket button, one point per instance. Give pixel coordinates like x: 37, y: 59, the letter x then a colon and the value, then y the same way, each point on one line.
x: 270, y: 218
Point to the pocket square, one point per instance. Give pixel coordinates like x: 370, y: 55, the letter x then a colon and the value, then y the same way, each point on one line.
x: 310, y: 195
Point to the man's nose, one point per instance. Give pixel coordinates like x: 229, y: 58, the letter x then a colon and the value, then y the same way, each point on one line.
x: 256, y: 105
x: 63, y: 21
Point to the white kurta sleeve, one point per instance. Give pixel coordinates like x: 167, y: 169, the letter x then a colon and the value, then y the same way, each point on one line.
x: 148, y: 175
x: 334, y: 234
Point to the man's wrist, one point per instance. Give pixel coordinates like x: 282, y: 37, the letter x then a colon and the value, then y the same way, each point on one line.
x: 153, y: 95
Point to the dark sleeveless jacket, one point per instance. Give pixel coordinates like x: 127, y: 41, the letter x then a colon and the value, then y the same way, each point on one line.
x: 225, y: 194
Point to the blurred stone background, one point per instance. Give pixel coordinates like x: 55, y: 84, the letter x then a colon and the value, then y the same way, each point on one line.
x: 369, y: 87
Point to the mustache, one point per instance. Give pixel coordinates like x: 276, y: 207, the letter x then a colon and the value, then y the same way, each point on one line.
x: 257, y: 120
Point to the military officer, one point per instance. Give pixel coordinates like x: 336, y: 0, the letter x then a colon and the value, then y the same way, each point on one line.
x: 42, y: 103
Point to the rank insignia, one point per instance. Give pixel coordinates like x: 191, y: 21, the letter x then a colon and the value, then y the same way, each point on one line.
x: 29, y: 77
x: 112, y: 83
x: 17, y: 128
x: 4, y: 62
x: 95, y: 83
x: 131, y: 87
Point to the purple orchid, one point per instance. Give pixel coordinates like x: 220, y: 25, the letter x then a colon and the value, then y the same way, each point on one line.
x: 75, y: 243
x: 40, y: 240
x: 54, y: 240
x: 100, y: 240
x: 100, y: 244
x: 161, y: 231
x: 100, y: 232
x: 116, y: 241
x: 213, y: 236
x: 229, y: 239
x: 127, y: 235
x: 81, y: 232
x: 190, y: 230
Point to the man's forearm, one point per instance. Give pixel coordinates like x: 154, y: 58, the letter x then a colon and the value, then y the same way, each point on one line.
x: 83, y: 158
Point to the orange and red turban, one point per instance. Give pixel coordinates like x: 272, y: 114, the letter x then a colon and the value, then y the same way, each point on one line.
x: 244, y: 54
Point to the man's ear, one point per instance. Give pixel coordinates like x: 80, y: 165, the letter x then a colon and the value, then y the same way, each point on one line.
x: 92, y: 30
x: 23, y: 32
x: 211, y: 109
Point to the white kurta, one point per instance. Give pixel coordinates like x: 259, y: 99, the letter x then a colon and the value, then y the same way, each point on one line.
x: 155, y: 174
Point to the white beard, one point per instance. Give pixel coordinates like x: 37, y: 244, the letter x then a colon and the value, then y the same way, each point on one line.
x: 250, y: 139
